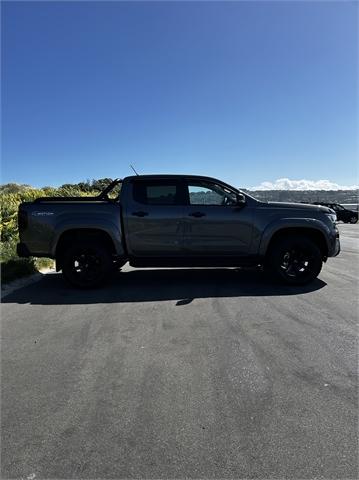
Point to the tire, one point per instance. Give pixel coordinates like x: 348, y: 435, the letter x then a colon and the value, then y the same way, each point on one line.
x: 294, y: 260
x: 353, y: 219
x: 86, y: 264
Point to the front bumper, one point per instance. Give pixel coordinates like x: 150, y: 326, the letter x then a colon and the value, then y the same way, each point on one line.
x: 334, y: 245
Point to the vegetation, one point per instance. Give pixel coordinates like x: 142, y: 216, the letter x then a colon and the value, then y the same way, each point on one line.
x: 11, y: 195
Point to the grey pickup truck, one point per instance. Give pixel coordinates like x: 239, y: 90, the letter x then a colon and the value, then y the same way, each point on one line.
x: 176, y: 221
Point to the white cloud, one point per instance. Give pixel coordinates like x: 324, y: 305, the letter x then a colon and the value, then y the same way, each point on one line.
x: 287, y: 184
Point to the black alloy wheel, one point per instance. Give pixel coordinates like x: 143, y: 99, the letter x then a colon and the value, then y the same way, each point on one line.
x: 86, y: 265
x: 296, y: 260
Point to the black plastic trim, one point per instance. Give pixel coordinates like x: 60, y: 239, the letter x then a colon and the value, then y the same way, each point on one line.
x: 22, y: 250
x: 195, y: 261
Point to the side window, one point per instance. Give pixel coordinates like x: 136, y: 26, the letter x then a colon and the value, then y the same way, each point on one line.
x: 210, y: 194
x: 335, y: 207
x: 156, y: 193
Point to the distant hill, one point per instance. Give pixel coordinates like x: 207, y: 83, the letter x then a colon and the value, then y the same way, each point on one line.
x: 335, y: 196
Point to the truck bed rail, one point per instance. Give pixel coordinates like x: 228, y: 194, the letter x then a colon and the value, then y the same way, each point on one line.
x: 69, y: 199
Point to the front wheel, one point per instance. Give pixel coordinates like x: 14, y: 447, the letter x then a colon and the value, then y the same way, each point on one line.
x: 353, y: 219
x: 86, y: 265
x: 295, y: 260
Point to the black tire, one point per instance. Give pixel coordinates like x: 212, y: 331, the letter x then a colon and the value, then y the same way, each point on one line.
x: 86, y: 264
x: 294, y: 260
x: 353, y: 219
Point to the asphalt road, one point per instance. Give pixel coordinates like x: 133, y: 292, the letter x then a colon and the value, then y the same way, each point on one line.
x: 183, y: 374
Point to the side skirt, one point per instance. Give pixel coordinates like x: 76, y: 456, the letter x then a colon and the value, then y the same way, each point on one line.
x: 195, y: 261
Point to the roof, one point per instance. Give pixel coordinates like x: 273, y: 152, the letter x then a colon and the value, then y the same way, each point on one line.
x: 178, y: 176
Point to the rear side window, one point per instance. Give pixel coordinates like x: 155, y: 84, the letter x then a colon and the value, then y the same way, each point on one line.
x: 156, y: 193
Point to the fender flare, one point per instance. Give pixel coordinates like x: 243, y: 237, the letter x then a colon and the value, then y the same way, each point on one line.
x: 110, y: 229
x: 287, y: 223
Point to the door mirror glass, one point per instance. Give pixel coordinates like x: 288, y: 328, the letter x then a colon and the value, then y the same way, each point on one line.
x: 241, y: 199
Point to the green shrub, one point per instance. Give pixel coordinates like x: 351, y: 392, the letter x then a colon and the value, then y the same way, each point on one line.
x: 16, y: 268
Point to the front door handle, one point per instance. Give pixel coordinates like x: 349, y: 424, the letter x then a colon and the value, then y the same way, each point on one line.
x: 197, y: 214
x: 140, y: 214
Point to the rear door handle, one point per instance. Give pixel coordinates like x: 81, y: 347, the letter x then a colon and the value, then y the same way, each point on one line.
x: 197, y: 214
x: 140, y: 214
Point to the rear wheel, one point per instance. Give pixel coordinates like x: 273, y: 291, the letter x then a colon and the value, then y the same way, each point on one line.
x: 87, y: 264
x: 353, y: 219
x: 295, y: 260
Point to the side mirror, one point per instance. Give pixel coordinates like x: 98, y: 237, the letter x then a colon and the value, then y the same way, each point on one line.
x: 241, y: 199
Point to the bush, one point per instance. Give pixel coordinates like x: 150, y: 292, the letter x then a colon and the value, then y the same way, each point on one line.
x: 16, y: 268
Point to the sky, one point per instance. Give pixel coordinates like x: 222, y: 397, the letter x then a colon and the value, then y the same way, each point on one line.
x: 247, y: 92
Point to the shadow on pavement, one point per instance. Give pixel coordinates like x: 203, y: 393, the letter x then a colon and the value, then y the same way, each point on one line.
x: 182, y: 285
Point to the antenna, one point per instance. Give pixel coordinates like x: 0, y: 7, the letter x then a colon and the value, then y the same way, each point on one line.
x: 133, y: 169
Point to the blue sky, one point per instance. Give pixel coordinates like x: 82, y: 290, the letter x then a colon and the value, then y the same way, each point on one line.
x: 244, y: 91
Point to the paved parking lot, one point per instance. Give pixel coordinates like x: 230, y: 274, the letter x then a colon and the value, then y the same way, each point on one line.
x: 198, y: 373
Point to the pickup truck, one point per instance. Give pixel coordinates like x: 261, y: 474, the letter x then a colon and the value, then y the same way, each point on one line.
x: 176, y: 221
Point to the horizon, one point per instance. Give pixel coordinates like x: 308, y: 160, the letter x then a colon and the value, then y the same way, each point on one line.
x: 250, y: 93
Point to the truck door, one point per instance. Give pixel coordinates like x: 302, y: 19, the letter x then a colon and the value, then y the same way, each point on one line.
x: 154, y: 218
x: 215, y: 224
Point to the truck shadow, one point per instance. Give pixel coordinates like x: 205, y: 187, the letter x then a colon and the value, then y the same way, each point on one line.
x: 180, y: 285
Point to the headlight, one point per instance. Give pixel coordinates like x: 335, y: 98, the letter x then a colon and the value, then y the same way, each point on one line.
x: 332, y: 217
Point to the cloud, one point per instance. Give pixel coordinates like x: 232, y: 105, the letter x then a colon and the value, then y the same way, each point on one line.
x: 287, y: 184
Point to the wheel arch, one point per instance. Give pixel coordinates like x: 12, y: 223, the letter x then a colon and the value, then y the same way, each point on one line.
x: 72, y: 235
x: 314, y: 234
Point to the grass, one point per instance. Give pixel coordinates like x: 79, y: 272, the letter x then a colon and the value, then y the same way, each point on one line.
x: 13, y: 267
x: 44, y: 263
x: 16, y: 268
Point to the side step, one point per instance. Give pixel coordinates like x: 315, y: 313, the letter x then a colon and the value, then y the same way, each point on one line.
x: 153, y: 262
